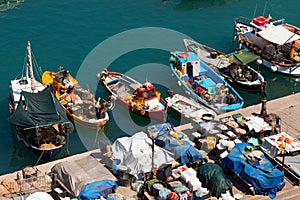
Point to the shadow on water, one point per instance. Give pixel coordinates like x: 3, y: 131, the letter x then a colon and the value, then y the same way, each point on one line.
x: 279, y: 85
x: 185, y: 5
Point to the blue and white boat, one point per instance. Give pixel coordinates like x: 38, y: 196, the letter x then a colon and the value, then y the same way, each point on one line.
x: 203, y: 83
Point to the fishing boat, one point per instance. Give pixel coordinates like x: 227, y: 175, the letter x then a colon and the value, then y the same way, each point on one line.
x: 141, y: 99
x: 233, y: 67
x: 277, y: 42
x: 40, y: 120
x: 203, y: 84
x: 79, y: 103
x: 189, y: 108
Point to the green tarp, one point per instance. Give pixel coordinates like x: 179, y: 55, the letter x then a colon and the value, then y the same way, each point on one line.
x: 243, y: 57
x: 212, y: 177
x: 38, y: 109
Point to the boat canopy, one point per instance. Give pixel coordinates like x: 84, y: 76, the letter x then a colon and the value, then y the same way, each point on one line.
x: 279, y: 35
x: 243, y: 57
x: 38, y: 109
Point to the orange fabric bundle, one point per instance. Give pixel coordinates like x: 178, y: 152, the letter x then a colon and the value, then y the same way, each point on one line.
x: 173, y: 196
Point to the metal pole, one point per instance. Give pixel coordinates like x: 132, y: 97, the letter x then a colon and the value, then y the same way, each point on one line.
x: 152, y: 146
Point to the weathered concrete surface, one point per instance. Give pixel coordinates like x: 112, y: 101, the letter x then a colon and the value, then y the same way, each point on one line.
x: 287, y: 108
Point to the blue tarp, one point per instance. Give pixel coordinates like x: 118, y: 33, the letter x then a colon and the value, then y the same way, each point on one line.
x: 262, y: 175
x: 97, y: 189
x: 183, y: 151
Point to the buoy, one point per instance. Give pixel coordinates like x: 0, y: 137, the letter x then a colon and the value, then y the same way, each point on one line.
x: 240, y: 46
x: 179, y: 83
x: 98, y: 76
x: 234, y: 38
x: 259, y: 61
x: 274, y: 68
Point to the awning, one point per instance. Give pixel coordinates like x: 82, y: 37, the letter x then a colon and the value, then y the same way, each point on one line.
x: 278, y: 35
x: 243, y: 57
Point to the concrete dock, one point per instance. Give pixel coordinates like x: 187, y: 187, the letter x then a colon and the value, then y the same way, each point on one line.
x: 287, y: 108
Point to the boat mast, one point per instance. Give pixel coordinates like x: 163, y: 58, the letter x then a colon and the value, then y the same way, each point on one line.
x: 29, y: 66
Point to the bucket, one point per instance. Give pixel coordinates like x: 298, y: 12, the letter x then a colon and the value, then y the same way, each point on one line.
x: 213, y: 54
x: 123, y: 172
x: 116, y: 165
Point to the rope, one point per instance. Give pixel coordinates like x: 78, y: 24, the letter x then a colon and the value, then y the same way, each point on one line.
x: 39, y: 158
x: 97, y: 133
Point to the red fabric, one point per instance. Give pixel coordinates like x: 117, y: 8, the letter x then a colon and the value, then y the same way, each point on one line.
x: 199, y: 90
x: 173, y: 196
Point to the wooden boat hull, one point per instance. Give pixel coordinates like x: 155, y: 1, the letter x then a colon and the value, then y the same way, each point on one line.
x: 92, y: 125
x: 188, y: 108
x: 124, y: 95
x: 217, y: 63
x: 39, y: 118
x: 253, y: 88
x: 94, y: 122
x: 233, y: 100
x: 156, y: 115
x: 45, y: 153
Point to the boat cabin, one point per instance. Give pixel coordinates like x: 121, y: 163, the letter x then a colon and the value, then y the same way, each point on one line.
x: 146, y: 92
x: 277, y: 42
x: 187, y: 63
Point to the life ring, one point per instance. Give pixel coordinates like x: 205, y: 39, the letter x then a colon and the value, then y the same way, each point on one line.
x: 183, y: 55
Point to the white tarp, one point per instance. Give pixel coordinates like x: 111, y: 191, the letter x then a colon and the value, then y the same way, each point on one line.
x: 136, y: 153
x: 40, y: 196
x: 278, y: 35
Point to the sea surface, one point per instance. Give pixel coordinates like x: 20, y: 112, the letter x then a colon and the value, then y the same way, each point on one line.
x: 133, y: 37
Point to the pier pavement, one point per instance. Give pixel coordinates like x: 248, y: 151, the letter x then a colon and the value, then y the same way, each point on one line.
x: 287, y: 108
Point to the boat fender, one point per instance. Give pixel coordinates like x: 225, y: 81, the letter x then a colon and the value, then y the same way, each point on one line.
x: 179, y: 83
x: 103, y: 77
x: 235, y: 37
x: 240, y: 45
x: 184, y: 54
x: 142, y: 112
x: 274, y: 68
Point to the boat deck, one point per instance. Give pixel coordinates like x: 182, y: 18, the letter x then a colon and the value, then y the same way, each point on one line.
x: 205, y: 55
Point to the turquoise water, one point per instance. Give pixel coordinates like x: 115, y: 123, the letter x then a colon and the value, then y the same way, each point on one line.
x: 127, y: 36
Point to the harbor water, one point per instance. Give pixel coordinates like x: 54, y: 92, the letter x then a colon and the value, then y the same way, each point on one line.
x: 132, y: 37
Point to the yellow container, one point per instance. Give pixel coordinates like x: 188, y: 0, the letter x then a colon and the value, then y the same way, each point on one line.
x: 211, y: 142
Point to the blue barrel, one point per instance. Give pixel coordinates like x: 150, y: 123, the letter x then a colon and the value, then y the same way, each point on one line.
x: 116, y: 165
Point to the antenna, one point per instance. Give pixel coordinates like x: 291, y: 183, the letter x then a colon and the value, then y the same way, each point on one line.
x: 265, y: 8
x: 254, y: 11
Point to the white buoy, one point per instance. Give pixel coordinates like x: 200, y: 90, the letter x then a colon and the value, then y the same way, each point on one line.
x: 259, y: 61
x: 179, y: 83
x: 234, y: 38
x: 240, y: 45
x: 98, y: 75
x: 274, y: 68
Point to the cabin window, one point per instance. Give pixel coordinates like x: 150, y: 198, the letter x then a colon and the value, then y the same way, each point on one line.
x: 146, y: 95
x: 190, y: 69
x: 153, y: 94
x: 140, y: 94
